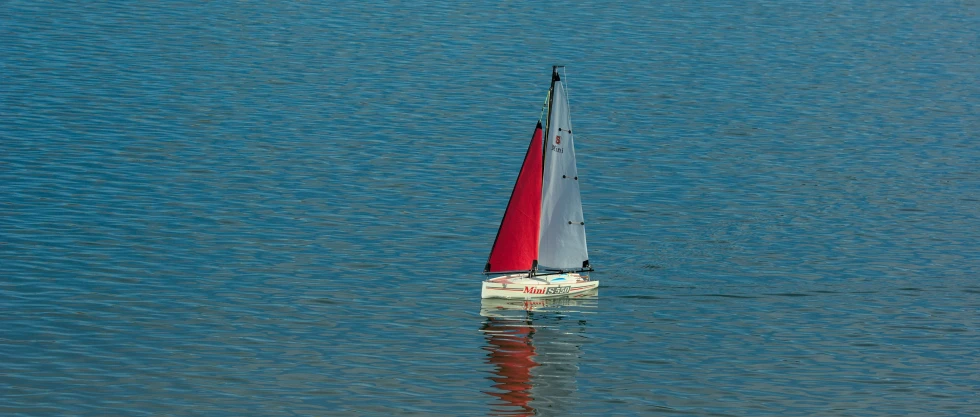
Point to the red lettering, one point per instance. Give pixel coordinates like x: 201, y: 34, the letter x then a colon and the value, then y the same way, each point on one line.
x: 532, y: 290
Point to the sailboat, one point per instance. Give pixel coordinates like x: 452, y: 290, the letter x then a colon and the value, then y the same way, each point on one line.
x: 540, y: 249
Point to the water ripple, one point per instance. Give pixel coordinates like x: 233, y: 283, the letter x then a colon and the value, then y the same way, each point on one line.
x: 241, y: 208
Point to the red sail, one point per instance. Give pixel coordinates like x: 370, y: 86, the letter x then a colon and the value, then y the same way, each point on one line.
x: 516, y: 246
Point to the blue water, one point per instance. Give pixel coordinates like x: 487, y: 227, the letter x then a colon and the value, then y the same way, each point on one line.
x: 282, y: 208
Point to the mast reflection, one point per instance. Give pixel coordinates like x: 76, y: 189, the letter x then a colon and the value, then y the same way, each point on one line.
x: 534, y: 346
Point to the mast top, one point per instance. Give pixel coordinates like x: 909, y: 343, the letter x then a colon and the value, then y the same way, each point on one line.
x: 554, y: 72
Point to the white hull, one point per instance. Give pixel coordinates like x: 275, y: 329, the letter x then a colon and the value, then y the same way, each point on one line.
x: 524, y: 287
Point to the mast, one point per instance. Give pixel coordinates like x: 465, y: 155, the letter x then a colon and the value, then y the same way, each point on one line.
x: 547, y: 120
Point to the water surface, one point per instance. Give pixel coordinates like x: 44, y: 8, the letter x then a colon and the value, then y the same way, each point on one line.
x: 241, y: 208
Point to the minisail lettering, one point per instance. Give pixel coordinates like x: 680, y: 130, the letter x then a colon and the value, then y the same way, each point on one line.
x: 547, y: 291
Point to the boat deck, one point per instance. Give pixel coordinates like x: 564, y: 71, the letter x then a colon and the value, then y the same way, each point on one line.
x: 524, y: 279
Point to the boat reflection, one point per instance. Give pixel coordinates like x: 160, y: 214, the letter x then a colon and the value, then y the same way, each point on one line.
x: 535, y: 346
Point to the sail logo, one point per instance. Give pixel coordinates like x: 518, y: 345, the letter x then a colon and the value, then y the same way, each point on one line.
x: 555, y: 147
x: 547, y: 291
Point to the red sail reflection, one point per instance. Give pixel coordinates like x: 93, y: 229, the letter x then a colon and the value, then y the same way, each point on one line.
x: 511, y: 352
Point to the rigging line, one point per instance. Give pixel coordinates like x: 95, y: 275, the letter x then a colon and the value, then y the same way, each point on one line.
x: 544, y: 106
